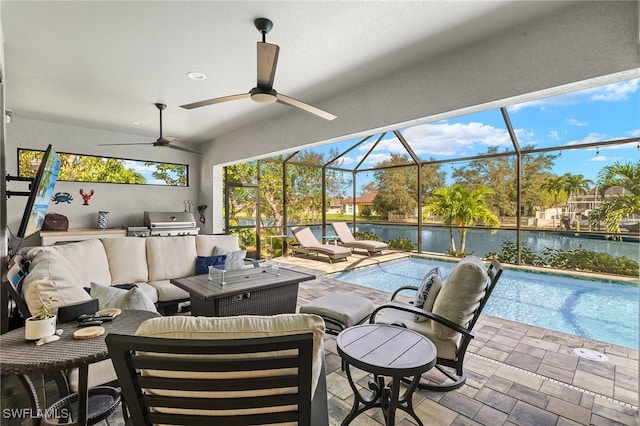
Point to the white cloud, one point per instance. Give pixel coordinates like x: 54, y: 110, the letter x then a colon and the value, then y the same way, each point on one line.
x: 374, y: 158
x: 634, y: 133
x: 576, y: 122
x: 599, y: 158
x: 615, y: 91
x: 553, y: 135
x: 609, y: 93
x: 591, y: 137
x: 457, y: 138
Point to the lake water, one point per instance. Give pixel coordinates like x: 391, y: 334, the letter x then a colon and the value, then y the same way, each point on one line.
x: 480, y: 242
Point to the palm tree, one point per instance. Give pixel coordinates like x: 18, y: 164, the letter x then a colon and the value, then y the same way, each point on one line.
x: 465, y: 207
x: 554, y: 185
x: 576, y: 184
x: 616, y: 208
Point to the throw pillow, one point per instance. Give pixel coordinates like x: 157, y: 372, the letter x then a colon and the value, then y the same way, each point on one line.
x: 203, y: 263
x: 235, y: 259
x: 424, y: 291
x: 111, y: 297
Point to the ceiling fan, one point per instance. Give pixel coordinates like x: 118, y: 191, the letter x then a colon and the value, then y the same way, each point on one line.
x: 163, y: 142
x: 264, y: 93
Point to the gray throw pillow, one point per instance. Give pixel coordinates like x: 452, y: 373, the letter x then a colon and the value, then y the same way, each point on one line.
x: 235, y: 259
x: 112, y: 297
x: 432, y: 277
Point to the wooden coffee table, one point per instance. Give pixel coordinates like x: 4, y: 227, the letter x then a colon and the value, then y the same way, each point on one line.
x: 253, y: 291
x: 385, y: 350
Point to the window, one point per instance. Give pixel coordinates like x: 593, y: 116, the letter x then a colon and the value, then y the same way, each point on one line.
x: 88, y: 168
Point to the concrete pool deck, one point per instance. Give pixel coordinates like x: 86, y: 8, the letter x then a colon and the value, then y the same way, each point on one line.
x: 518, y: 374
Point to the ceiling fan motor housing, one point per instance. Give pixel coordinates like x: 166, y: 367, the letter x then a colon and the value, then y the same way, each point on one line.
x: 263, y: 96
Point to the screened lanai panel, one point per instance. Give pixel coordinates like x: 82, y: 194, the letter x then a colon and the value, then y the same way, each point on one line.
x: 603, y: 113
x: 465, y: 136
x: 242, y: 173
x: 304, y: 194
x: 271, y: 194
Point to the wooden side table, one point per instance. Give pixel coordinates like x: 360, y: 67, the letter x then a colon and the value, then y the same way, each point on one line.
x: 385, y: 350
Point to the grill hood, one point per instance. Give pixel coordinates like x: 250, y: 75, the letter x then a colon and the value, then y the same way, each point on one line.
x: 169, y: 220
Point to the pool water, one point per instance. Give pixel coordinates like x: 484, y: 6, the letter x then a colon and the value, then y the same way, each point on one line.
x: 598, y: 310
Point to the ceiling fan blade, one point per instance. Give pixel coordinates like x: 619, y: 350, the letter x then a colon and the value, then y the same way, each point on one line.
x: 305, y: 107
x: 215, y: 101
x: 267, y: 63
x: 181, y: 148
x: 123, y: 144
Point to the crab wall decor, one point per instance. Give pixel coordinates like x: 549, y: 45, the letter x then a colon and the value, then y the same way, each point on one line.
x: 86, y: 196
x: 62, y: 197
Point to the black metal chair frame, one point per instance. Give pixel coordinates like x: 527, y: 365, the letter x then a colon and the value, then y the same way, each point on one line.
x: 459, y: 375
x: 131, y: 354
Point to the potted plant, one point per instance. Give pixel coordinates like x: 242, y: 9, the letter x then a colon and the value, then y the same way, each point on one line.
x: 43, y: 323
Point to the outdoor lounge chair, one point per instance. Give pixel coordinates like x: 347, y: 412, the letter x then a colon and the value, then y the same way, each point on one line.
x: 309, y: 244
x: 448, y: 316
x: 347, y: 240
x: 242, y: 370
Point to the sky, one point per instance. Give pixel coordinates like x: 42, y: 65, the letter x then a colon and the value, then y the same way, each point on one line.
x: 604, y: 113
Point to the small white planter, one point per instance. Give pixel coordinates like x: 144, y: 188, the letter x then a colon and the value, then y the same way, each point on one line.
x: 35, y: 329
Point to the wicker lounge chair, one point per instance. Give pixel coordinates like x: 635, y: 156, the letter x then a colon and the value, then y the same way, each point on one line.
x: 347, y: 240
x: 309, y: 244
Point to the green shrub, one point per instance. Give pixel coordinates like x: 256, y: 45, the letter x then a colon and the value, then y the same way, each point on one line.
x: 509, y: 253
x: 367, y: 236
x: 579, y: 259
x: 402, y: 243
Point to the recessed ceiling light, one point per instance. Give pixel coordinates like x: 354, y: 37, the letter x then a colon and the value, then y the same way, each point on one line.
x: 139, y: 123
x: 194, y: 75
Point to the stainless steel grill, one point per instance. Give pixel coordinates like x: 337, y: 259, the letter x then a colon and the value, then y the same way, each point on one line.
x: 170, y: 224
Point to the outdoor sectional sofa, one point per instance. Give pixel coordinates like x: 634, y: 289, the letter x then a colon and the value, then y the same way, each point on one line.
x: 64, y: 272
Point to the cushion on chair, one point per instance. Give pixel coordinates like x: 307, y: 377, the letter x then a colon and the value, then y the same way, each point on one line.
x: 447, y: 348
x: 460, y: 295
x: 239, y: 327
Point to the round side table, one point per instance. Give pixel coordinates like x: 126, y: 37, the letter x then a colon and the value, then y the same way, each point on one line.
x: 385, y: 351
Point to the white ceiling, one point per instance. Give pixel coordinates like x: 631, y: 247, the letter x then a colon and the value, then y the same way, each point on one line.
x: 103, y: 64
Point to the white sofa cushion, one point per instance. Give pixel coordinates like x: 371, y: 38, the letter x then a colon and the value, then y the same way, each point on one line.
x: 206, y: 243
x: 171, y: 257
x: 89, y: 260
x: 127, y: 259
x: 166, y: 291
x: 460, y: 295
x: 52, y: 275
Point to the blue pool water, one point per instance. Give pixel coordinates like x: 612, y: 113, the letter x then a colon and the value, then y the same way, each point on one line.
x: 598, y: 310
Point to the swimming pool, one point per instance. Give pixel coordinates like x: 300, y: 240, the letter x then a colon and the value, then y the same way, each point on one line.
x: 605, y: 311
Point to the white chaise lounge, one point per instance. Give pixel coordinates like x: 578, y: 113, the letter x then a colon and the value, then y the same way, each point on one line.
x: 346, y: 238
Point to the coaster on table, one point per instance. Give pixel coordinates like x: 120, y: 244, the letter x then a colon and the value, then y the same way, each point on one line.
x: 107, y: 311
x: 88, y: 332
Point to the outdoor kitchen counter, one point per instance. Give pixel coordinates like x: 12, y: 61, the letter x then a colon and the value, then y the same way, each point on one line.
x: 49, y: 238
